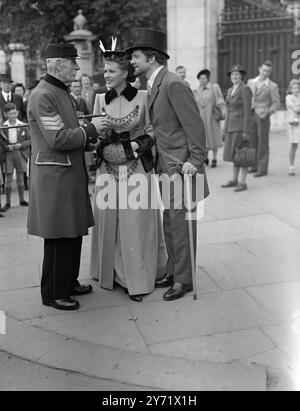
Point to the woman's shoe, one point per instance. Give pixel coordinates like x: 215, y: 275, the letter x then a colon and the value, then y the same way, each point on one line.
x: 292, y: 172
x: 6, y: 207
x: 206, y: 162
x: 241, y: 187
x: 230, y: 184
x: 136, y: 298
x: 214, y: 164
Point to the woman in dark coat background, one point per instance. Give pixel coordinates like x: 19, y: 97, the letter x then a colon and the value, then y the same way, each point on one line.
x: 237, y: 125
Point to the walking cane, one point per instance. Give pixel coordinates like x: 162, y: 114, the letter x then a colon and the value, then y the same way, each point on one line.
x: 187, y: 180
x: 187, y: 183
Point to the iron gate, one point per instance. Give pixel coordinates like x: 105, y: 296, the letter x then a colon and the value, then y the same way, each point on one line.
x: 251, y: 35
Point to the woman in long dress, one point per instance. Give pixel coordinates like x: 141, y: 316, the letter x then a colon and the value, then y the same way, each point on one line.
x: 212, y: 109
x: 127, y: 242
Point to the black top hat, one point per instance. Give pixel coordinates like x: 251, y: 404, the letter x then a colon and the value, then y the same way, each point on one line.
x: 239, y: 68
x: 149, y: 39
x: 63, y: 50
x: 6, y: 78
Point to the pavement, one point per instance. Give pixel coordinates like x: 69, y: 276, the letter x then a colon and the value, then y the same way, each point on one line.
x: 242, y: 334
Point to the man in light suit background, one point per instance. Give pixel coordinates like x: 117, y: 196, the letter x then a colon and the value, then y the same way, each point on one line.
x: 180, y: 137
x: 265, y: 102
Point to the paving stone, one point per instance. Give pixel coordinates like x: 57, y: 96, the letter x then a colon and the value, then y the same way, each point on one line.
x: 19, y: 375
x: 282, y: 380
x: 272, y: 359
x: 217, y: 348
x: 28, y: 342
x: 155, y: 371
x: 229, y: 231
x: 233, y: 266
x: 211, y: 314
x: 234, y: 210
x: 288, y: 294
x: 26, y: 304
x: 111, y: 327
x: 287, y: 339
x: 19, y: 276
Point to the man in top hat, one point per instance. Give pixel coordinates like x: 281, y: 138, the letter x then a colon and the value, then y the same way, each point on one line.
x: 60, y: 209
x: 266, y: 101
x: 181, y: 142
x: 6, y: 96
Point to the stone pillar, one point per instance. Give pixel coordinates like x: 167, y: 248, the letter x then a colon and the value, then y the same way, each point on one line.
x: 192, y: 35
x: 17, y: 63
x: 2, y: 62
x: 82, y: 39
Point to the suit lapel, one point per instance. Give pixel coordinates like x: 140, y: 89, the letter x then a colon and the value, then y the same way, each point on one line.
x: 156, y: 85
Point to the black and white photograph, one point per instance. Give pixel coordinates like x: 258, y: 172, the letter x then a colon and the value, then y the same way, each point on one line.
x: 149, y: 198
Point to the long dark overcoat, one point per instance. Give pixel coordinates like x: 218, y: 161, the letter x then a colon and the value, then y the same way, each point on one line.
x: 59, y: 200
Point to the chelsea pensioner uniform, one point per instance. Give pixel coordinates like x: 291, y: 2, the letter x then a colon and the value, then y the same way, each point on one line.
x: 60, y: 209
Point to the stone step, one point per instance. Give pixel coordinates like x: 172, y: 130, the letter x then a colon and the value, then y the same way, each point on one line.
x: 156, y: 371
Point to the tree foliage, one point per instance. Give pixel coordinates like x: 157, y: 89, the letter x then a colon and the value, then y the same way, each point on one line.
x: 37, y: 24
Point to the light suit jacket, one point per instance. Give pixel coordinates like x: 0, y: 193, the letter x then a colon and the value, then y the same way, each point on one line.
x: 266, y: 99
x: 178, y: 127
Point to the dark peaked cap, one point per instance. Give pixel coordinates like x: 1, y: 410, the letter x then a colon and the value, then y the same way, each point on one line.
x: 63, y: 50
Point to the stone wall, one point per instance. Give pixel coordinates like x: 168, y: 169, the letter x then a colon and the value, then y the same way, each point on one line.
x: 192, y: 35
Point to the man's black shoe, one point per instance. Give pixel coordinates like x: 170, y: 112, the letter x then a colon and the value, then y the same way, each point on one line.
x: 24, y: 204
x: 6, y: 207
x: 66, y: 304
x: 82, y: 290
x: 165, y: 282
x: 1, y: 215
x: 177, y: 291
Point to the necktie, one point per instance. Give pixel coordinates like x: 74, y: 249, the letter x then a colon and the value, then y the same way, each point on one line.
x: 8, y: 99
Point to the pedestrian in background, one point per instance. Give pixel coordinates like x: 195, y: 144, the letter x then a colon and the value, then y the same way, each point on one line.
x: 17, y: 147
x: 181, y: 72
x: 237, y: 124
x: 212, y: 109
x: 87, y: 91
x: 293, y: 109
x: 265, y: 102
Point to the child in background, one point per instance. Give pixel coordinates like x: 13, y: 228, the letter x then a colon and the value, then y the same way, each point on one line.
x: 18, y: 145
x: 293, y: 108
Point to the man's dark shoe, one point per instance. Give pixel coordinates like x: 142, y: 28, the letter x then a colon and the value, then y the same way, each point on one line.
x: 2, y: 210
x: 67, y: 304
x: 24, y: 204
x: 166, y: 282
x: 1, y: 215
x: 6, y: 207
x: 259, y: 174
x: 177, y: 291
x: 82, y: 290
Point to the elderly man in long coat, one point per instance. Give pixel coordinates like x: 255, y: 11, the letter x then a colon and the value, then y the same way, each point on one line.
x: 60, y: 209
